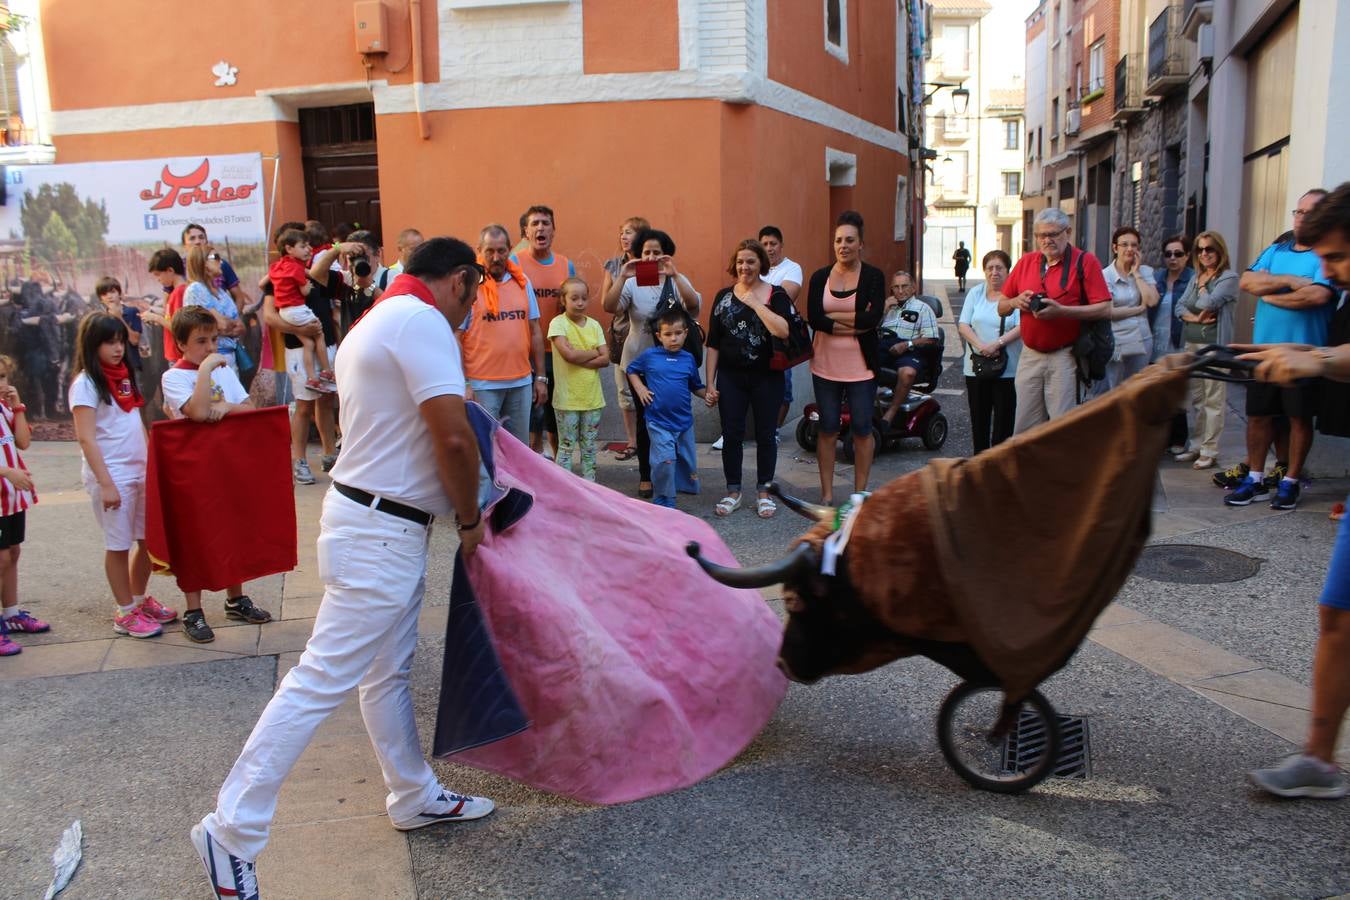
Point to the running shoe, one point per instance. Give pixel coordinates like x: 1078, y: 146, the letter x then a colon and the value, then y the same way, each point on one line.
x: 195, y: 627
x: 300, y: 470
x: 242, y: 607
x: 7, y: 646
x: 1286, y: 495
x: 26, y: 622
x: 1232, y: 477
x: 448, y: 807
x: 229, y: 875
x: 1274, y: 475
x: 717, y: 444
x: 1300, y: 775
x: 328, y: 461
x: 136, y: 624
x: 158, y: 611
x: 1245, y: 493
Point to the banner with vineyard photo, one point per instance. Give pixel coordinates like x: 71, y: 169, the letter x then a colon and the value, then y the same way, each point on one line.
x: 64, y: 227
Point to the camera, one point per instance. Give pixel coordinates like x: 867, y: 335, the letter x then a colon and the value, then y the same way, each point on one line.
x: 1036, y: 303
x: 360, y: 265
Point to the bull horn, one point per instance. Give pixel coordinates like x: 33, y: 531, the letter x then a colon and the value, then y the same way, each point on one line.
x: 802, y: 556
x: 814, y: 511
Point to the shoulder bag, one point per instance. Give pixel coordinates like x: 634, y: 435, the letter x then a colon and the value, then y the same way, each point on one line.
x: 991, y: 366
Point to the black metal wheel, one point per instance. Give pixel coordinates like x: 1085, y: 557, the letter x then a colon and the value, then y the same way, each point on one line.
x: 935, y: 432
x: 988, y: 761
x: 806, y: 434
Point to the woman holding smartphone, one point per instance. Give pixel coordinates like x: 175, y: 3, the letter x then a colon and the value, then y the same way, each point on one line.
x: 636, y: 291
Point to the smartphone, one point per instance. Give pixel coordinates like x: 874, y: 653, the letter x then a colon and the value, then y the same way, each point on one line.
x: 648, y: 274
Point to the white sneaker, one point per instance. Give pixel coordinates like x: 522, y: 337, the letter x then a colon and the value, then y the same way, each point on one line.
x: 230, y: 876
x: 449, y: 807
x: 717, y: 444
x: 300, y: 469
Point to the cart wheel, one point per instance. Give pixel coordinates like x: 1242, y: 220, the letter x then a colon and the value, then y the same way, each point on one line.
x: 964, y: 730
x: 935, y: 432
x: 806, y: 435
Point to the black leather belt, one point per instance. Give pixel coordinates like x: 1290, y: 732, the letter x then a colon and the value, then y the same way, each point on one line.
x: 392, y: 507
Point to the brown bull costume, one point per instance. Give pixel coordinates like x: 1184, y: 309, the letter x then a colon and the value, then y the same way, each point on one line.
x: 1015, y: 551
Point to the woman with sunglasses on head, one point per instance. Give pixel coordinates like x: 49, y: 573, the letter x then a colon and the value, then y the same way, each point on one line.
x: 203, y: 274
x: 1205, y: 312
x: 1171, y: 281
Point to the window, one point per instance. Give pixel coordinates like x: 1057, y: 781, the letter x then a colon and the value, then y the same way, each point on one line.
x: 1078, y: 80
x: 836, y: 28
x: 1054, y: 118
x: 1039, y: 145
x: 1097, y: 66
x: 1011, y: 133
x: 1012, y: 184
x: 955, y: 50
x: 901, y: 120
x: 955, y: 173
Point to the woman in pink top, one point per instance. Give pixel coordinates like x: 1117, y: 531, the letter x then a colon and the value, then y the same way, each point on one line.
x: 844, y: 303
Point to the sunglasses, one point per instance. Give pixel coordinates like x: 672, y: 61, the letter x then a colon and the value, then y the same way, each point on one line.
x: 214, y: 257
x: 479, y: 276
x: 1174, y: 254
x: 1206, y: 249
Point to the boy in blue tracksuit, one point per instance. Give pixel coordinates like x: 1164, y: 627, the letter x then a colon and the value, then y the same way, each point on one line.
x: 662, y: 379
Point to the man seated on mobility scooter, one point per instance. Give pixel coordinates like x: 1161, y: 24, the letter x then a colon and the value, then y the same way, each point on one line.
x: 909, y: 338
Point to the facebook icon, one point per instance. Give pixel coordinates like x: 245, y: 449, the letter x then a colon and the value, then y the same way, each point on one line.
x: 151, y: 222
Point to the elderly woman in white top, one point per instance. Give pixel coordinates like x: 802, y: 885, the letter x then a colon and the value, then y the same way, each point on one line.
x: 1206, y: 313
x: 1132, y: 295
x: 993, y: 401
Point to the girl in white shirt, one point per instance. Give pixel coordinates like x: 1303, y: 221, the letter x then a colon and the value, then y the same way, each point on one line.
x: 105, y: 402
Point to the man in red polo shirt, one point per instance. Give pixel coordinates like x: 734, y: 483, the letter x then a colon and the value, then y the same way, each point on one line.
x: 1074, y: 291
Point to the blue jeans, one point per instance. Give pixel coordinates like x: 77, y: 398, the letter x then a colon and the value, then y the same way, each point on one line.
x: 862, y: 397
x: 674, y: 464
x: 510, y: 406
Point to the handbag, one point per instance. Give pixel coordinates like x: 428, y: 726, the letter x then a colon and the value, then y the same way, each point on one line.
x: 670, y: 300
x: 794, y: 349
x: 991, y: 366
x: 242, y: 358
x: 619, y: 326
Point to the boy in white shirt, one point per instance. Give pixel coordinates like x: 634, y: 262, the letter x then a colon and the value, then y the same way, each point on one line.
x: 202, y: 387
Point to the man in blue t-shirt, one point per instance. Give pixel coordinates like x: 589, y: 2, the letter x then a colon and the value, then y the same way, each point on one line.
x: 1294, y: 306
x: 662, y: 379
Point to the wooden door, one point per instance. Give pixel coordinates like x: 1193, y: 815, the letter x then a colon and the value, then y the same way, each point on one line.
x: 342, y: 174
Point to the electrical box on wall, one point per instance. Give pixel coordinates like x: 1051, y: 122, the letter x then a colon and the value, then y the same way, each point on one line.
x: 372, y: 27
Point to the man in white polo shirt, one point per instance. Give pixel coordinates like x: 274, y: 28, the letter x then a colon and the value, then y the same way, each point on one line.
x: 786, y: 274
x: 408, y: 454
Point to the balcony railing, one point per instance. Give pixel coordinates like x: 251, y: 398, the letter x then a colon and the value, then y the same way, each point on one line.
x: 1008, y: 207
x: 1166, y: 52
x: 955, y: 128
x: 953, y: 189
x: 1129, y: 97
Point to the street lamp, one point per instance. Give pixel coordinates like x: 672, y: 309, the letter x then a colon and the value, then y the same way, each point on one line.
x: 960, y: 96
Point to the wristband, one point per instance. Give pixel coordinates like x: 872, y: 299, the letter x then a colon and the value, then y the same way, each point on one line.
x: 472, y: 525
x: 21, y: 408
x: 541, y: 378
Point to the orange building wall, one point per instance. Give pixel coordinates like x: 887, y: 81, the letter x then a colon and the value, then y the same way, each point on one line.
x: 710, y: 184
x: 798, y: 58
x: 615, y: 40
x: 274, y: 45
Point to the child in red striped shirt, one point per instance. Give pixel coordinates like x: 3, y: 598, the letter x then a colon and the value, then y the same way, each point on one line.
x: 16, y: 495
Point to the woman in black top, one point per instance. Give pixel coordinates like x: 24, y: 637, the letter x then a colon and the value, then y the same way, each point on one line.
x: 738, y: 348
x: 847, y: 349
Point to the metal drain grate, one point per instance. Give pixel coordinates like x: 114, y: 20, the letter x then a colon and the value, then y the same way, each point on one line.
x: 1026, y: 744
x: 1189, y: 564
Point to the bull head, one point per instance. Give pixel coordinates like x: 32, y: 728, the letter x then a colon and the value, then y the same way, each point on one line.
x: 827, y: 627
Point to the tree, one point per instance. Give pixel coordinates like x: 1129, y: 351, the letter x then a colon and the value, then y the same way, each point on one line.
x: 82, y: 227
x: 58, y: 241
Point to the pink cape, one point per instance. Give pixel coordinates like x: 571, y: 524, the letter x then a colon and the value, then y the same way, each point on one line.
x: 640, y: 674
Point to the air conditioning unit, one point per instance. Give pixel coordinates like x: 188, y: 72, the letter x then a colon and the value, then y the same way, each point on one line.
x: 1204, y: 42
x: 1073, y: 118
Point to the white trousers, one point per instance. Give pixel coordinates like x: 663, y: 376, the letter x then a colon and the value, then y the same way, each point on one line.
x: 373, y: 566
x: 1208, y: 399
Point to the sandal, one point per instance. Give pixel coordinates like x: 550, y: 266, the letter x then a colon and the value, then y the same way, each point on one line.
x: 728, y: 505
x: 626, y: 454
x: 766, y: 508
